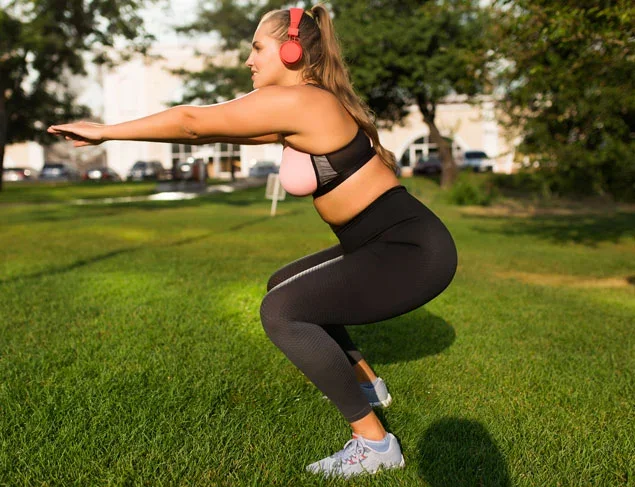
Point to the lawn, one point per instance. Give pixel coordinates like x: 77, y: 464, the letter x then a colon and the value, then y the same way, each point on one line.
x: 131, y: 351
x: 56, y: 192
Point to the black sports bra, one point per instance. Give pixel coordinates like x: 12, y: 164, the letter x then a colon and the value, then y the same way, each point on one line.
x: 334, y: 168
x: 302, y: 174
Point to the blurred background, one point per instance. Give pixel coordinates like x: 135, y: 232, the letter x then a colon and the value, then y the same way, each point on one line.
x: 537, y: 94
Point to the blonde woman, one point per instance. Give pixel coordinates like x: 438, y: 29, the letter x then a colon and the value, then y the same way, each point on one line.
x: 393, y: 255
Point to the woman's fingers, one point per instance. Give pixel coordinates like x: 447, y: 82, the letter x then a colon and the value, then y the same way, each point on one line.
x: 80, y: 133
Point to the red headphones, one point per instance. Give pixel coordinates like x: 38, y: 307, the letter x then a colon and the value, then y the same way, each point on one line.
x: 291, y: 50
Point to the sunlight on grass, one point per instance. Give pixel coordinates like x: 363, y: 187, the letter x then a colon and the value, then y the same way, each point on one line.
x: 131, y: 350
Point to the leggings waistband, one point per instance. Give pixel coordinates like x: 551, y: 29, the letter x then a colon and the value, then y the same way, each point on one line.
x: 392, y: 207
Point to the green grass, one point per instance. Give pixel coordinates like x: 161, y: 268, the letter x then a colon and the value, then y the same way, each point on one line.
x: 57, y: 192
x: 131, y: 351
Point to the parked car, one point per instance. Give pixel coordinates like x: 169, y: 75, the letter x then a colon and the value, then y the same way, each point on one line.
x: 477, y: 161
x: 58, y: 171
x: 101, y: 174
x: 17, y: 174
x: 263, y: 168
x: 147, y: 170
x: 431, y: 165
x: 191, y: 170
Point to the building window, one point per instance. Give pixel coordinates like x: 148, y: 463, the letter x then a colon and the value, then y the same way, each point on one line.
x: 228, y: 155
x: 220, y: 155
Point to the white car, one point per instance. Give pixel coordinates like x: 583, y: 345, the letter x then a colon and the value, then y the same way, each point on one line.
x: 477, y: 161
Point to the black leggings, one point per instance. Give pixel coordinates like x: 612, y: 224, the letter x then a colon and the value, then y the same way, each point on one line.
x: 393, y: 257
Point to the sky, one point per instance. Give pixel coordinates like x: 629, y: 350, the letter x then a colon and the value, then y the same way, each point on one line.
x: 161, y: 21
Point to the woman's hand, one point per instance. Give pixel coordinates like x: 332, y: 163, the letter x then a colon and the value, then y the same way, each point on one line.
x: 82, y: 133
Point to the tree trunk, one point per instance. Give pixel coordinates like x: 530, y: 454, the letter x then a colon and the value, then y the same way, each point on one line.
x: 3, y: 135
x: 449, y: 169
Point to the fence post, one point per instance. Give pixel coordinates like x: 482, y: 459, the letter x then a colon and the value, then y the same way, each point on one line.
x: 274, y: 191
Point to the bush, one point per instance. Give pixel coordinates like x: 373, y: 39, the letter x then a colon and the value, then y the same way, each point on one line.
x: 525, y: 182
x: 472, y: 191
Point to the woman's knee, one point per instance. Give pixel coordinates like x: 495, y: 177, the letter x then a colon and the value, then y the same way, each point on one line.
x: 272, y: 315
x: 272, y: 282
x: 276, y: 278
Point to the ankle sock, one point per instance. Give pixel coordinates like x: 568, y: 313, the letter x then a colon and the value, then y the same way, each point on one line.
x: 380, y: 446
x: 369, y: 385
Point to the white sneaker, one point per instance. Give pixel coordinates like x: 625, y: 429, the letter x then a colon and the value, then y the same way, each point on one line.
x: 358, y: 458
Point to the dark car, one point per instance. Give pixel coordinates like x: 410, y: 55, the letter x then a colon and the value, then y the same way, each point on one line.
x: 58, y: 171
x: 477, y: 161
x: 101, y: 174
x: 17, y: 174
x: 431, y: 165
x: 147, y: 170
x: 262, y: 169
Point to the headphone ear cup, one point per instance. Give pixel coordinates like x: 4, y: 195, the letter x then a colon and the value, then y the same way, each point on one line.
x: 290, y: 52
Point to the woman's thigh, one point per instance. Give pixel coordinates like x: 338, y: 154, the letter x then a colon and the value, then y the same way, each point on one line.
x: 374, y: 283
x: 303, y: 264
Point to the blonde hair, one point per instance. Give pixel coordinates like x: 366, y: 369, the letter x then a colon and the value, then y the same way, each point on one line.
x: 322, y: 64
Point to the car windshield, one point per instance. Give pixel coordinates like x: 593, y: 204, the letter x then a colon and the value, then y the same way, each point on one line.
x: 139, y: 165
x: 52, y: 169
x: 476, y: 155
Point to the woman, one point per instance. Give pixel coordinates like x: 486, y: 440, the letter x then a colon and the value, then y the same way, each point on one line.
x: 394, y: 254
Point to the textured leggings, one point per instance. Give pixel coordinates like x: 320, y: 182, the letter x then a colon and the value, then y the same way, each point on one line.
x: 392, y: 258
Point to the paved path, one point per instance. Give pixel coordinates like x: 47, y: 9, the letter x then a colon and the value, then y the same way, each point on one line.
x: 176, y: 191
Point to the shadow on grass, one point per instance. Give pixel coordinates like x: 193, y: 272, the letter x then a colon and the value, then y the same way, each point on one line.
x: 108, y: 255
x: 75, y: 265
x: 408, y: 337
x: 587, y: 229
x: 460, y: 452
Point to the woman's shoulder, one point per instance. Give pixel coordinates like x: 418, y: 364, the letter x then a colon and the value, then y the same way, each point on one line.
x: 304, y: 94
x: 319, y: 97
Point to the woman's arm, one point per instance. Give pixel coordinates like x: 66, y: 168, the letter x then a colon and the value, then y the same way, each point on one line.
x: 264, y: 139
x: 263, y: 112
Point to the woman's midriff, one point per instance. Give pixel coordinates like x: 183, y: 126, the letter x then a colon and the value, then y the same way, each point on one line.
x: 340, y: 205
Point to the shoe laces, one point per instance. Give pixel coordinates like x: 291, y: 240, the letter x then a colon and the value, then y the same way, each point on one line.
x: 353, y: 450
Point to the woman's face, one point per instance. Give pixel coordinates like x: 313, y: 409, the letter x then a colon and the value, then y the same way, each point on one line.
x: 264, y: 61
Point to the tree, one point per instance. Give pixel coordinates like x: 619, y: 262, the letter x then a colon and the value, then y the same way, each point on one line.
x: 414, y: 52
x: 568, y: 73
x: 399, y: 54
x: 43, y: 42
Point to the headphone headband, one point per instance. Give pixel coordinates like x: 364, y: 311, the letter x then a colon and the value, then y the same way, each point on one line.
x: 294, y: 23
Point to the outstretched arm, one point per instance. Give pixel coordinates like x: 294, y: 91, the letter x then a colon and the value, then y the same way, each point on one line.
x: 263, y: 112
x: 263, y: 139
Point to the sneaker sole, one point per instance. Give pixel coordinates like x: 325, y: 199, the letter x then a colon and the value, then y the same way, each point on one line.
x: 401, y: 464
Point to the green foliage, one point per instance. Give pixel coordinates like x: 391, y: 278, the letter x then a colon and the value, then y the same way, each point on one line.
x: 568, y: 72
x: 524, y: 181
x: 472, y: 190
x: 414, y: 53
x: 42, y: 43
